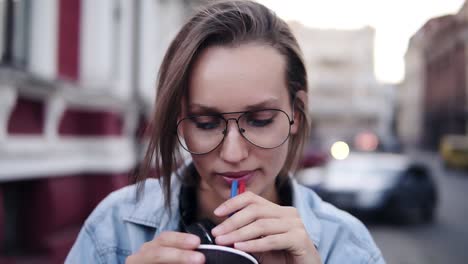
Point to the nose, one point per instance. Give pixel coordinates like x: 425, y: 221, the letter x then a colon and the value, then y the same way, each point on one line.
x: 234, y: 147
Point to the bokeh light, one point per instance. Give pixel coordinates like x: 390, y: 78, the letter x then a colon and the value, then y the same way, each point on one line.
x: 340, y: 150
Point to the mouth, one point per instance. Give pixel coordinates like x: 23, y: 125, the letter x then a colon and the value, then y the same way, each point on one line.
x: 229, y: 177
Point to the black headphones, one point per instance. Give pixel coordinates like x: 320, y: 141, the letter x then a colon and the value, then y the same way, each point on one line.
x: 188, y: 206
x: 188, y: 211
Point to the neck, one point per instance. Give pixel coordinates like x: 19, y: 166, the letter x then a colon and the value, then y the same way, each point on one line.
x: 207, y: 202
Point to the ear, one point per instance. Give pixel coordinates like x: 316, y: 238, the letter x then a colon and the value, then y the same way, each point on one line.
x: 301, y: 96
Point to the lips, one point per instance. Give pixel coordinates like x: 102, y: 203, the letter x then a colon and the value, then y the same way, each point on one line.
x: 239, y: 175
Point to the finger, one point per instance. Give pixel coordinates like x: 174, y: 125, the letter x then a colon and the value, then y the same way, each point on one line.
x: 295, y: 241
x: 253, y: 212
x: 246, y: 216
x: 178, y: 240
x: 234, y: 204
x: 263, y: 244
x: 173, y: 255
x: 259, y: 228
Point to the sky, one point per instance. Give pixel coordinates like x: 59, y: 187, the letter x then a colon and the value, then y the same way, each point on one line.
x: 395, y: 22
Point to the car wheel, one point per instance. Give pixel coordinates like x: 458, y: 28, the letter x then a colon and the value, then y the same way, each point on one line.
x: 428, y: 214
x: 416, y: 215
x: 411, y: 216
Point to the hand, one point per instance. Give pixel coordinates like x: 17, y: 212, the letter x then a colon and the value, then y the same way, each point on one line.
x: 169, y: 247
x: 274, y: 233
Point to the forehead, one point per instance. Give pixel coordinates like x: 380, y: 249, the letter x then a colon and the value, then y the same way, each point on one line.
x: 233, y: 78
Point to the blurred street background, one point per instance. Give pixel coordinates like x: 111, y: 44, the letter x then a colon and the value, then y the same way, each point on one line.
x: 442, y: 241
x: 388, y: 100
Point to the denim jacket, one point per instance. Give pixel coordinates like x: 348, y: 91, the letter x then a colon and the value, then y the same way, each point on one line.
x: 120, y: 225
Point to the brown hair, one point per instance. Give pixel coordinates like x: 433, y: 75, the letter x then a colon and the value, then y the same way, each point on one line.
x: 229, y: 23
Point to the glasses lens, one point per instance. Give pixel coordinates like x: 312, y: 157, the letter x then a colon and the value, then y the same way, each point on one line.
x: 201, y: 134
x: 265, y: 128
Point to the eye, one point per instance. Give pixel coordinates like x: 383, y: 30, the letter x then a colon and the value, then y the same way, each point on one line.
x: 259, y: 122
x: 260, y: 119
x: 206, y: 122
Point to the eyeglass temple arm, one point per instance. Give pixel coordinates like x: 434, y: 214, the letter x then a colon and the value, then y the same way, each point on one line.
x: 291, y: 122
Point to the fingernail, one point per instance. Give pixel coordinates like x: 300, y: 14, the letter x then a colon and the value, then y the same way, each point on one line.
x: 192, y: 239
x: 216, y: 231
x: 239, y: 245
x: 197, y: 258
x: 219, y: 210
x: 221, y: 240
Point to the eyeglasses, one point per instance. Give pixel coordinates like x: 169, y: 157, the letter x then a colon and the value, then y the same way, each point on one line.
x: 267, y: 128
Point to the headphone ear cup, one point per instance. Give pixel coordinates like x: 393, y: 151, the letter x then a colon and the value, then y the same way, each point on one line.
x: 202, y: 229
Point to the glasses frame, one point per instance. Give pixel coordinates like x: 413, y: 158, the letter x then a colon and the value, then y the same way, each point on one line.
x: 226, y: 123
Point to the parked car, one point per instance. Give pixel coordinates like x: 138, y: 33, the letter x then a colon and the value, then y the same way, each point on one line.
x: 454, y: 151
x: 380, y: 184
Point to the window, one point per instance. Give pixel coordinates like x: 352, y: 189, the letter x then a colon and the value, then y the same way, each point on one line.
x: 2, y: 26
x: 14, y: 29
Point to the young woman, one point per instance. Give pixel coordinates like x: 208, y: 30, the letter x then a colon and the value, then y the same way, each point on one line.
x: 232, y: 93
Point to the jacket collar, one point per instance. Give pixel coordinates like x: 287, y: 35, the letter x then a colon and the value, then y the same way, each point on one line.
x: 303, y: 204
x: 150, y: 210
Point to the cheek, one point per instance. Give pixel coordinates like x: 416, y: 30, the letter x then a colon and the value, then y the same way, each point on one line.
x: 201, y: 162
x: 204, y: 164
x: 273, y: 160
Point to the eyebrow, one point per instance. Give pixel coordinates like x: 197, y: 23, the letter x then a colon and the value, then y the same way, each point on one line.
x: 270, y: 103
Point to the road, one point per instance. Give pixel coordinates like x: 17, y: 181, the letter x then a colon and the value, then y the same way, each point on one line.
x: 443, y: 241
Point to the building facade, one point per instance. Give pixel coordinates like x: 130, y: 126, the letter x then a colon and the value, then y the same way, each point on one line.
x: 77, y: 81
x: 345, y: 98
x: 446, y: 89
x: 433, y: 98
x: 411, y: 90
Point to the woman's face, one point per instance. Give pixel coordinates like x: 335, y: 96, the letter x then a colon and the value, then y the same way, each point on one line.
x: 233, y: 79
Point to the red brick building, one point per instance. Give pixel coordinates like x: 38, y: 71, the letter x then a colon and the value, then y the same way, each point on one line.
x: 445, y: 92
x: 76, y: 79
